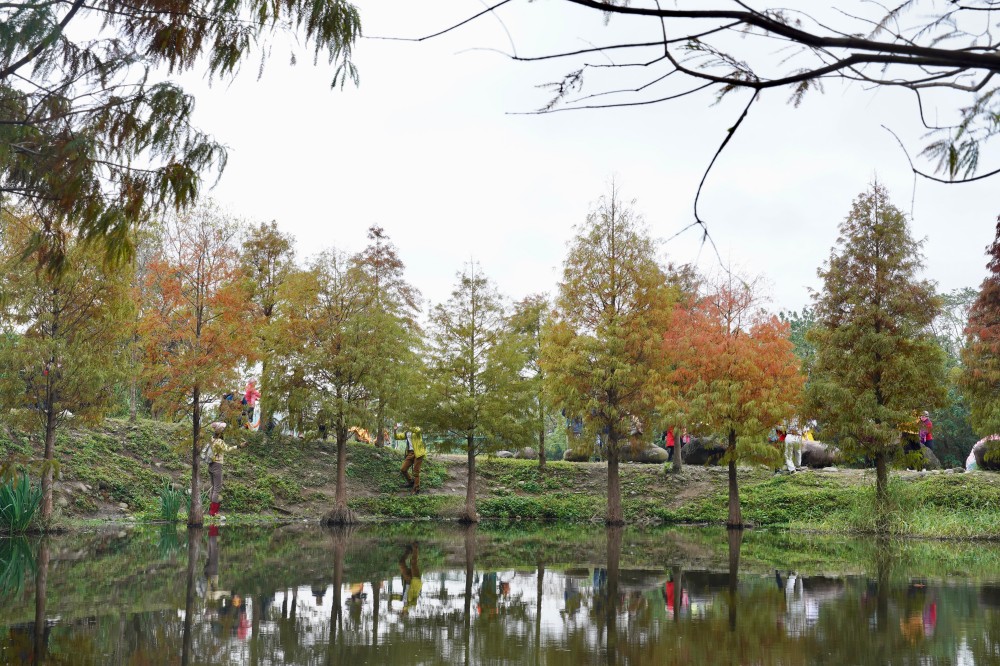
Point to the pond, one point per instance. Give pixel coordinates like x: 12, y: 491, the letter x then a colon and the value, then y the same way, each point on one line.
x: 422, y: 594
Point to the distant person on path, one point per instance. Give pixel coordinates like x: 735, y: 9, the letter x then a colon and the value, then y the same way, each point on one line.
x: 415, y: 452
x: 926, y: 431
x: 781, y: 435
x: 669, y: 443
x: 217, y: 450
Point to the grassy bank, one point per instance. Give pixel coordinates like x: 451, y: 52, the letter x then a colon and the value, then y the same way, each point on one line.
x: 116, y: 473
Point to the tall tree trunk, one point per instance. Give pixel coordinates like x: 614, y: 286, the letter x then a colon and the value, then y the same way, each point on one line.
x: 266, y: 406
x: 133, y: 384
x: 48, y: 458
x: 541, y: 447
x: 735, y: 520
x: 194, y: 553
x: 735, y: 542
x: 678, y: 455
x: 341, y: 514
x: 470, y: 560
x: 380, y: 424
x: 196, y: 517
x: 41, y: 597
x: 469, y: 515
x: 881, y: 482
x: 615, y: 514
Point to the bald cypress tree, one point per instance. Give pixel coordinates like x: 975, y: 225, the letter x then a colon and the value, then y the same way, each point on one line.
x: 980, y: 378
x: 877, y: 362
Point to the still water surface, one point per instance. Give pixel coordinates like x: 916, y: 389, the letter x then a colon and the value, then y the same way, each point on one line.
x: 406, y: 594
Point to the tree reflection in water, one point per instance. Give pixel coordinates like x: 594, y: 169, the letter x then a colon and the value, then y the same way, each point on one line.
x: 384, y: 596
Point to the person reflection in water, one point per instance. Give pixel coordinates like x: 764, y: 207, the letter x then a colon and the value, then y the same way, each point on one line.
x: 409, y: 569
x: 670, y: 598
x: 225, y: 610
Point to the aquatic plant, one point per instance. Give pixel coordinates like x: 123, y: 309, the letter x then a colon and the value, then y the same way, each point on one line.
x: 19, y: 502
x: 170, y: 502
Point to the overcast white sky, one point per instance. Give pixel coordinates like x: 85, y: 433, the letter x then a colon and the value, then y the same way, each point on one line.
x: 428, y: 148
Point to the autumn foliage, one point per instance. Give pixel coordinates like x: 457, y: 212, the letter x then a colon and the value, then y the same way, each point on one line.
x: 980, y: 380
x: 198, y: 327
x: 734, y: 372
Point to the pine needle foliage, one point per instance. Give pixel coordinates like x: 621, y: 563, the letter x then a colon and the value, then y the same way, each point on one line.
x: 877, y: 363
x: 476, y: 397
x: 94, y: 137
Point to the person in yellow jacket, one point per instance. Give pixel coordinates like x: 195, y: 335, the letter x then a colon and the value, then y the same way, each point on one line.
x: 415, y: 452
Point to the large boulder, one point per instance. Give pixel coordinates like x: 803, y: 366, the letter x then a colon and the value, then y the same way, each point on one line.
x: 931, y: 460
x: 818, y: 454
x: 527, y: 453
x: 979, y: 451
x: 576, y: 455
x: 645, y: 454
x: 703, y: 451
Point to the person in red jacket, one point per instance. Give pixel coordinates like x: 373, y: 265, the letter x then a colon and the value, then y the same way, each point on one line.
x: 926, y: 431
x: 669, y: 442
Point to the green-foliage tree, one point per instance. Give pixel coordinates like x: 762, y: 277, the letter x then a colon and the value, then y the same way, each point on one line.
x: 267, y: 256
x: 953, y: 433
x: 734, y: 372
x: 877, y: 363
x: 602, y: 353
x: 527, y: 321
x: 394, y: 337
x: 65, y: 331
x: 94, y: 136
x: 980, y: 375
x: 476, y: 396
x: 323, y: 353
x: 799, y: 324
x: 198, y: 325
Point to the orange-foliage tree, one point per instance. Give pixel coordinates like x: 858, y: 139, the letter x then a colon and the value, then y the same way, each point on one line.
x: 198, y: 328
x: 734, y: 372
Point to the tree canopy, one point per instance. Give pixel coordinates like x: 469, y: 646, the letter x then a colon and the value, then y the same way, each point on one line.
x: 476, y: 396
x: 734, y: 372
x: 94, y: 136
x: 602, y: 353
x: 198, y: 328
x: 980, y: 378
x: 65, y: 336
x: 877, y: 363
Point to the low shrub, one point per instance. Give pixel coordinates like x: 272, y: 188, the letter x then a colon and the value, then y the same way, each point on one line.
x: 19, y: 503
x: 170, y: 502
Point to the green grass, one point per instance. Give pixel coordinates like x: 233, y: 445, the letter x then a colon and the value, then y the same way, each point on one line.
x: 407, y: 506
x: 379, y: 468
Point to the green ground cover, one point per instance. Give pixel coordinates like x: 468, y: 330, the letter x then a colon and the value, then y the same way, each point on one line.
x: 117, y: 472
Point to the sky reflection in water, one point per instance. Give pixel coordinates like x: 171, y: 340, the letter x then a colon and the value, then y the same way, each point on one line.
x: 408, y: 595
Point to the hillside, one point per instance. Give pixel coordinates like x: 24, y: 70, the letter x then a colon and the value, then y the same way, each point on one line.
x: 117, y: 471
